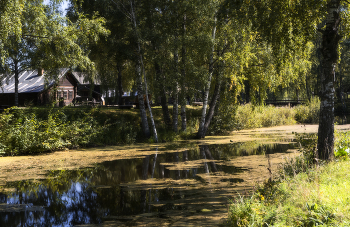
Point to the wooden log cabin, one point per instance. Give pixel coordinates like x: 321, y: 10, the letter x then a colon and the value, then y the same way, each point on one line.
x: 35, y: 89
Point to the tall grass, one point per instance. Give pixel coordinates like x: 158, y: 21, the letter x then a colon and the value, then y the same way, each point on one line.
x: 299, y: 196
x: 308, y: 113
x: 249, y: 116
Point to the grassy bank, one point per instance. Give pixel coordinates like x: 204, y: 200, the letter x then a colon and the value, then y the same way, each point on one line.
x: 301, y: 195
x: 40, y: 129
x: 36, y: 130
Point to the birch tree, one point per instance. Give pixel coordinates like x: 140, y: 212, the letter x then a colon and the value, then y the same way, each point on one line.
x: 329, y: 50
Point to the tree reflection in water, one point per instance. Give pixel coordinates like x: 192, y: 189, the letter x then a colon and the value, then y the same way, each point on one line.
x: 88, y: 195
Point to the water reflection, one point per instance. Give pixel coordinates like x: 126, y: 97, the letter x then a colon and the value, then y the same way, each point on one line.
x: 155, y: 183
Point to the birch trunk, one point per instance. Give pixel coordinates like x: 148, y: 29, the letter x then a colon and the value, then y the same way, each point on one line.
x: 183, y: 76
x: 212, y: 106
x: 144, y: 122
x: 201, y: 131
x: 329, y: 50
x: 176, y: 93
x: 155, y: 135
x: 16, y: 83
x: 139, y: 68
x: 175, y: 108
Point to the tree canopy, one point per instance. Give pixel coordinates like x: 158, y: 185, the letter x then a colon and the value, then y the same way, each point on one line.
x: 214, y: 51
x: 37, y: 36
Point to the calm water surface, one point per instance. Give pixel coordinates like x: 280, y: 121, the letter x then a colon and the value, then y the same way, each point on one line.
x: 162, y: 185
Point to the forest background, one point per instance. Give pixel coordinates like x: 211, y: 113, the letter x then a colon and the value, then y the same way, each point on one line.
x: 223, y: 53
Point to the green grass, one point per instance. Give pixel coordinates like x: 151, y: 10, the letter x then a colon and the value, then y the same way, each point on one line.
x: 301, y: 195
x: 249, y: 116
x: 319, y: 197
x: 40, y: 129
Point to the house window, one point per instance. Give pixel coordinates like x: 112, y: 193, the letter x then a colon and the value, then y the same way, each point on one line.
x: 70, y: 95
x: 58, y: 94
x: 65, y: 94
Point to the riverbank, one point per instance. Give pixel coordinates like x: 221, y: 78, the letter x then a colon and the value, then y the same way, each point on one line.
x: 15, y: 168
x: 36, y: 130
x: 317, y: 195
x: 187, y: 182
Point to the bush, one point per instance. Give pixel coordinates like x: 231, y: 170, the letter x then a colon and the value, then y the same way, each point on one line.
x: 25, y: 133
x: 342, y: 145
x: 249, y: 116
x: 36, y: 130
x: 308, y: 113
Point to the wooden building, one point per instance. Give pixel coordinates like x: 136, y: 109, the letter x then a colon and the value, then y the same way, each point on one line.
x: 87, y: 91
x: 35, y: 89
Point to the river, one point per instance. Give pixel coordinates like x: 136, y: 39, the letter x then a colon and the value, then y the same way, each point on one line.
x: 188, y: 183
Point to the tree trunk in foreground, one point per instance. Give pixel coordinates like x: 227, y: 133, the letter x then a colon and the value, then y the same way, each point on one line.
x: 212, y: 106
x: 201, y: 129
x: 329, y: 50
x: 139, y: 68
x: 140, y: 96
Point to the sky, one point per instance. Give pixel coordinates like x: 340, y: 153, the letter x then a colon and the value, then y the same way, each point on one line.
x: 64, y: 5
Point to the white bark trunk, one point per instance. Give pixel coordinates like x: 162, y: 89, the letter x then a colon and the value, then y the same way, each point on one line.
x: 201, y: 130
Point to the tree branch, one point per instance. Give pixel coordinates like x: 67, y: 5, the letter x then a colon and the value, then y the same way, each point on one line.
x: 35, y: 36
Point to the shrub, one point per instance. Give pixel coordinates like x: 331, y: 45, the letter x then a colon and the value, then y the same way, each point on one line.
x: 24, y: 132
x: 308, y: 113
x: 342, y: 145
x: 249, y: 116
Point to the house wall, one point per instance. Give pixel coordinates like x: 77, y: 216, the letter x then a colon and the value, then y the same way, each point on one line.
x: 66, y: 91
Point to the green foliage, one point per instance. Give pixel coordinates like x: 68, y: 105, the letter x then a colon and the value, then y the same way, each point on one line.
x: 308, y: 113
x: 224, y: 120
x: 244, y: 212
x: 249, y: 116
x: 342, y: 152
x: 36, y: 130
x: 285, y: 204
x: 303, y: 195
x: 24, y: 133
x: 300, y: 164
x: 342, y: 145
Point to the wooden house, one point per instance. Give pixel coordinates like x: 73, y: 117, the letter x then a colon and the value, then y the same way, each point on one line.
x: 35, y: 89
x: 87, y: 91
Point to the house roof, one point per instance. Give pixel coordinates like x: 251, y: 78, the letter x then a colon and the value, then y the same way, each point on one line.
x: 29, y: 82
x: 82, y: 78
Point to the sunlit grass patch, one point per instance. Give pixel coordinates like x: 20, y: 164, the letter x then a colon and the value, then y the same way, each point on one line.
x: 318, y: 197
